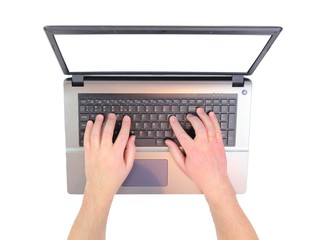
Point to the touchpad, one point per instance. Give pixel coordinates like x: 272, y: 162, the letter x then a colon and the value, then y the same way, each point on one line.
x: 148, y: 172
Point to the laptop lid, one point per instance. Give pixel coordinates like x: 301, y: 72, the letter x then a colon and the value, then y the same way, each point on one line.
x: 160, y: 50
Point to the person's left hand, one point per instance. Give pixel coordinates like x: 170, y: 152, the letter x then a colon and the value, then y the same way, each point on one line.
x: 107, y: 164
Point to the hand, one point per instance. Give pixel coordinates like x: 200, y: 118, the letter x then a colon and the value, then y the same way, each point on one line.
x: 204, y: 160
x: 107, y: 164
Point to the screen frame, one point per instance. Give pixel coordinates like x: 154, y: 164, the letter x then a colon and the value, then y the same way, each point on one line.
x: 51, y: 31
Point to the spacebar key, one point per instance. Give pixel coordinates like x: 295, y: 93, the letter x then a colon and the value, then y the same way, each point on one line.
x: 142, y: 142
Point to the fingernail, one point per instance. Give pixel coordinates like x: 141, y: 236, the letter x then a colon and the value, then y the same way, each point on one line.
x: 126, y: 118
x: 111, y: 116
x: 172, y: 118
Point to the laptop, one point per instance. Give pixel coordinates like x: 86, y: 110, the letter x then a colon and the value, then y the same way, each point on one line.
x: 151, y: 73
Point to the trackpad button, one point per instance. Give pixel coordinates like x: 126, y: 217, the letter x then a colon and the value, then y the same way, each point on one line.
x: 148, y: 173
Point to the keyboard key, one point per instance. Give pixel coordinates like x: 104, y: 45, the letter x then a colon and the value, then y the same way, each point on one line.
x: 164, y: 125
x: 208, y: 101
x: 208, y: 109
x: 106, y: 109
x: 136, y: 117
x: 84, y: 117
x: 180, y: 116
x: 232, y: 109
x: 231, y: 121
x: 82, y: 109
x: 83, y: 101
x: 123, y: 108
x: 138, y: 125
x: 140, y: 108
x: 224, y: 109
x: 162, y: 117
x: 183, y: 109
x: 160, y: 142
x: 232, y: 101
x: 159, y: 134
x: 143, y: 133
x: 216, y: 109
x: 82, y: 125
x: 140, y: 142
x: 92, y: 116
x: 149, y: 109
x: 153, y: 117
x: 191, y: 109
x: 132, y: 108
x: 168, y: 134
x: 223, y: 125
x: 224, y: 117
x: 166, y: 108
x: 224, y: 101
x: 151, y: 134
x: 158, y: 108
x: 89, y: 108
x: 155, y: 125
x: 231, y: 138
x: 97, y: 109
x: 98, y: 101
x: 216, y: 102
x: 145, y: 117
x: 147, y: 125
x: 175, y: 109
x: 114, y: 109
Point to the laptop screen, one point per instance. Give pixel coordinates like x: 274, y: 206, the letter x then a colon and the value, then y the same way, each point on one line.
x: 184, y: 53
x: 123, y: 49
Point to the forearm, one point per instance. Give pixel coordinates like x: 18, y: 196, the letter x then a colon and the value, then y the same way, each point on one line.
x: 230, y: 221
x: 91, y: 220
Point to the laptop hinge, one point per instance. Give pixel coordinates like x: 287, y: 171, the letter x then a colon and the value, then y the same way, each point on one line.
x: 238, y: 81
x: 77, y: 80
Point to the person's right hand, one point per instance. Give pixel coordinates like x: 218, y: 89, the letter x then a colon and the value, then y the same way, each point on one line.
x: 204, y: 160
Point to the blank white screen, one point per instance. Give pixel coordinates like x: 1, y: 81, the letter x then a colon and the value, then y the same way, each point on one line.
x: 153, y: 52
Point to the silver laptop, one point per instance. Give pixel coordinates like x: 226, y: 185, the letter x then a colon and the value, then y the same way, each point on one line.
x: 151, y: 73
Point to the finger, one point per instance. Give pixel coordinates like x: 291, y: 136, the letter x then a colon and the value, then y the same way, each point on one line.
x: 87, y: 134
x: 130, y: 152
x: 108, y: 132
x: 176, y: 153
x: 96, y: 132
x: 200, y: 131
x: 121, y: 141
x: 207, y: 123
x: 217, y: 130
x: 181, y: 135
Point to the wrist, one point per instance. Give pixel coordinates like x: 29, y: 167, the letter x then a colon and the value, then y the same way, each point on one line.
x: 99, y: 200
x: 220, y: 194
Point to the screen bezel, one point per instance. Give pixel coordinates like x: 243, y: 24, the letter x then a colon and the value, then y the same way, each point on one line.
x: 51, y: 31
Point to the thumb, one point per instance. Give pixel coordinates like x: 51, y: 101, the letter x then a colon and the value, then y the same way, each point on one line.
x: 177, y: 155
x: 130, y: 152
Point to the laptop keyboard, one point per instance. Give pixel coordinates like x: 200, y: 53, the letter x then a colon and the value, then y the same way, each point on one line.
x: 150, y: 113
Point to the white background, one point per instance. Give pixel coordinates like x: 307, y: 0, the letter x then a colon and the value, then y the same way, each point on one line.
x: 281, y: 200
